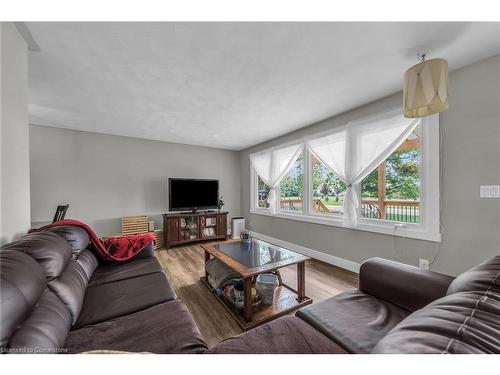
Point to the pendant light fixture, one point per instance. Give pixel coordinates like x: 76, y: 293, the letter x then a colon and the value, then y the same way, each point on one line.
x: 425, y: 88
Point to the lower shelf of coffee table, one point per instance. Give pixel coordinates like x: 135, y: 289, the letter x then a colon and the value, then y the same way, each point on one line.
x: 285, y: 302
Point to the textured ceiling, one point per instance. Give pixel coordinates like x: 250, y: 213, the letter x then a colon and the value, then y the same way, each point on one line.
x: 228, y: 85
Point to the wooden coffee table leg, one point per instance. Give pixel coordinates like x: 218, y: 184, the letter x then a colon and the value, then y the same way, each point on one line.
x: 247, y: 299
x: 301, y: 281
x: 207, y: 258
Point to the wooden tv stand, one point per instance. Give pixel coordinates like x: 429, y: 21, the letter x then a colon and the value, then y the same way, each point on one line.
x: 182, y: 228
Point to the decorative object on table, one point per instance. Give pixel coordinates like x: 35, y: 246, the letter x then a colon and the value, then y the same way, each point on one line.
x: 220, y: 204
x: 60, y: 212
x: 425, y: 88
x: 237, y: 226
x: 265, y: 284
x: 245, y: 237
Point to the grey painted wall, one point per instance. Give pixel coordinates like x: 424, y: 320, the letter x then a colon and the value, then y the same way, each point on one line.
x: 470, y: 157
x: 15, y: 184
x: 105, y: 177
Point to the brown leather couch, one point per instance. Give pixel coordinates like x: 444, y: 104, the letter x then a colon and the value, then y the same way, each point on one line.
x: 57, y: 297
x: 397, y: 309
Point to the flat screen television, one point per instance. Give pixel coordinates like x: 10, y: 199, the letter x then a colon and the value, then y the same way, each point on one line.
x: 192, y: 194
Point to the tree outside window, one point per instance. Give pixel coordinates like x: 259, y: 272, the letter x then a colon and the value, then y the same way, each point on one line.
x: 398, y: 199
x: 328, y: 190
x: 263, y: 194
x: 292, y: 187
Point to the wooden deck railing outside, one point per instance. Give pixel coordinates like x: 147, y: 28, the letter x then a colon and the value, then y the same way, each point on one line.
x: 395, y: 210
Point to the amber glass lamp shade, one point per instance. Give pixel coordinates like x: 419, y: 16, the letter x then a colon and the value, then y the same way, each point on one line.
x: 425, y: 88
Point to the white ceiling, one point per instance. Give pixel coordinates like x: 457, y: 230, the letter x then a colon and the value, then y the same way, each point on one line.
x: 228, y: 85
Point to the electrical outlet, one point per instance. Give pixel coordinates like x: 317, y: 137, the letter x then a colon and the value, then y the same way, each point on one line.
x: 423, y: 264
x: 495, y: 191
x: 489, y: 191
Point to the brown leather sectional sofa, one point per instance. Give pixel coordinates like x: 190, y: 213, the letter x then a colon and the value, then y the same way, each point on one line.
x: 397, y: 309
x: 57, y: 297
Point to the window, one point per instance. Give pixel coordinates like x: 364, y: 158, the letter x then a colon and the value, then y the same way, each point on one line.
x: 399, y: 195
x: 292, y: 187
x: 328, y: 190
x: 392, y: 191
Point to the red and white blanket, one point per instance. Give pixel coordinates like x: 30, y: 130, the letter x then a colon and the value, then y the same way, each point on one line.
x: 112, y: 249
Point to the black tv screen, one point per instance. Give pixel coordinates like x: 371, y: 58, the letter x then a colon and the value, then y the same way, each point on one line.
x: 192, y: 194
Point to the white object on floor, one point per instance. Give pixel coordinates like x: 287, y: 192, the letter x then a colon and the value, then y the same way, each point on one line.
x: 237, y: 226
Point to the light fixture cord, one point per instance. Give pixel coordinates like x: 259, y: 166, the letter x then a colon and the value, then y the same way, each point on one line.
x: 421, y: 57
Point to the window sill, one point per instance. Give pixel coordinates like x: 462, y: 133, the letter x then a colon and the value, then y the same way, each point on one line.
x: 411, y: 231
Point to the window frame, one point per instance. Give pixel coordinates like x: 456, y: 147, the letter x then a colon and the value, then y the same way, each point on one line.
x: 429, y: 226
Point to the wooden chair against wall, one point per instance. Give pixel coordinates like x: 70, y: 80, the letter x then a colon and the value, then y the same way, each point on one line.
x: 60, y: 213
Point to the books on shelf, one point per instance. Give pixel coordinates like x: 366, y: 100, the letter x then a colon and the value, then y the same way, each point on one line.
x: 210, y: 221
x: 208, y: 232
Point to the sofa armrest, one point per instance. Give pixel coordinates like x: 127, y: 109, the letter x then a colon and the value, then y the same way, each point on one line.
x: 406, y: 286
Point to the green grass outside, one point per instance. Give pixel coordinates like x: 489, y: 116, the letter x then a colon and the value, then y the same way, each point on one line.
x: 332, y: 201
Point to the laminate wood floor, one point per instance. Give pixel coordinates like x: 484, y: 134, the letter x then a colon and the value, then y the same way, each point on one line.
x: 185, y: 265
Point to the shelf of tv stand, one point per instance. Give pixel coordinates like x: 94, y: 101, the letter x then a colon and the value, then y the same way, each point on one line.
x: 172, y: 228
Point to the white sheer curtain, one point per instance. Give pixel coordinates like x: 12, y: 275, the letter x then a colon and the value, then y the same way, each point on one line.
x: 272, y: 165
x: 355, y: 150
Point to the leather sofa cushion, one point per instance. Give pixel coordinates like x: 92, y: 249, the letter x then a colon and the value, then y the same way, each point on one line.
x: 164, y: 328
x: 354, y: 320
x: 21, y: 285
x: 77, y: 237
x: 70, y: 288
x: 287, y: 335
x: 110, y: 300
x: 466, y: 322
x: 46, y: 328
x: 50, y: 250
x: 485, y: 276
x: 88, y: 261
x: 125, y: 270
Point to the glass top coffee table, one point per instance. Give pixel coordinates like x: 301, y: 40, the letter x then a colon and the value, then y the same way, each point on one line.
x: 250, y: 260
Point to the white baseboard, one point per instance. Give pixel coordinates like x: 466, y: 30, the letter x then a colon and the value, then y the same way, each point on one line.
x: 327, y: 258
